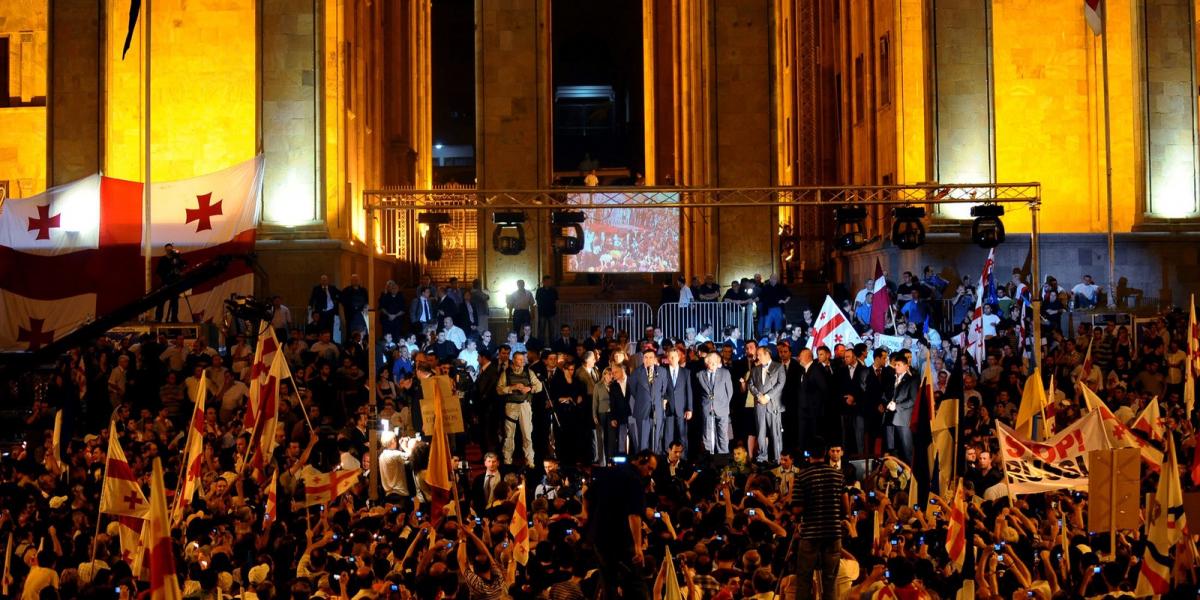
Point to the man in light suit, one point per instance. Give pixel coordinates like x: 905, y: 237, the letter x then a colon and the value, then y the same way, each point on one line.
x: 646, y: 390
x: 715, y: 389
x: 901, y: 399
x: 766, y: 388
x: 678, y: 410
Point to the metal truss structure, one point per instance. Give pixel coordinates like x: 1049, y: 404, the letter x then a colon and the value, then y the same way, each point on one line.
x: 684, y: 197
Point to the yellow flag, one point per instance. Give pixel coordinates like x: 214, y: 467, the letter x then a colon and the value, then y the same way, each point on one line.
x: 1033, y: 400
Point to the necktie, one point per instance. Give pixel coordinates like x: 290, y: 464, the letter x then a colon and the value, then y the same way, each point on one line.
x: 674, y: 374
x: 710, y: 379
x: 650, y: 375
x: 424, y: 309
x: 328, y: 299
x: 488, y: 485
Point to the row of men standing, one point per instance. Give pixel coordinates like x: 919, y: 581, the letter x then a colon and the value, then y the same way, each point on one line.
x: 752, y: 398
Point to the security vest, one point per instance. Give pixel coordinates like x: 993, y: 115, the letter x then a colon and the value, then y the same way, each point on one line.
x: 515, y: 397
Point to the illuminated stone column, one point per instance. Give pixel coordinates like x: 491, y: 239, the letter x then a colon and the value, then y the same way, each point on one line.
x: 513, y: 126
x: 963, y: 95
x: 742, y: 137
x: 290, y: 91
x: 75, y: 90
x: 1170, y: 105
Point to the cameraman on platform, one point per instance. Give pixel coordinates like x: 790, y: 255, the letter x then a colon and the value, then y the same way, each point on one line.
x: 170, y: 268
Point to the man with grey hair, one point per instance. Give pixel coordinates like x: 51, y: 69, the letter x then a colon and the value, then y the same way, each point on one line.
x: 393, y: 474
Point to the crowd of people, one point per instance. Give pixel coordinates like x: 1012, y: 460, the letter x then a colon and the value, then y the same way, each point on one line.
x: 721, y: 465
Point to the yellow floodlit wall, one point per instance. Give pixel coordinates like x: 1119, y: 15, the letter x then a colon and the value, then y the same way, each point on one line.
x: 203, y: 88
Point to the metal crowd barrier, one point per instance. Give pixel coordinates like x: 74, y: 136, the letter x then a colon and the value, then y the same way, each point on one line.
x: 675, y: 319
x: 630, y: 317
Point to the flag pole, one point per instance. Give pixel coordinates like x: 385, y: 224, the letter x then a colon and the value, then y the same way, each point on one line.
x: 1112, y: 254
x: 146, y: 245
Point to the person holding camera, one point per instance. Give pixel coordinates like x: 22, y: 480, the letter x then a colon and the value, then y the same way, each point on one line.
x: 169, y: 270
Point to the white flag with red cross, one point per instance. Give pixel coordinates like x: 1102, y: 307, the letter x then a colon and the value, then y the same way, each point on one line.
x: 832, y: 327
x: 29, y: 324
x: 193, y: 456
x: 120, y: 493
x: 264, y: 353
x: 323, y: 488
x: 93, y: 230
x: 976, y: 339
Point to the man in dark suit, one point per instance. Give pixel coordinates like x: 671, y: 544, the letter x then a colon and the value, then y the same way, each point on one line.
x: 766, y: 388
x: 354, y: 304
x: 814, y: 390
x: 793, y: 374
x: 423, y: 310
x: 859, y: 391
x: 490, y: 406
x: 564, y: 343
x: 715, y: 391
x: 885, y: 378
x: 679, y: 401
x: 324, y: 301
x: 646, y: 390
x: 484, y: 487
x: 902, y: 399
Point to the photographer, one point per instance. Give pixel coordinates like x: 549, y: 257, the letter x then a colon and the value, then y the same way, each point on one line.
x: 169, y: 269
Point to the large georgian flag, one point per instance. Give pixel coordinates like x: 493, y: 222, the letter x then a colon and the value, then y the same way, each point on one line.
x: 832, y: 328
x: 74, y: 252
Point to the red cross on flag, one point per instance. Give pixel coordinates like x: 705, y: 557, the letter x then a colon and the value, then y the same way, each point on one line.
x: 271, y: 512
x: 1150, y: 422
x: 264, y: 353
x: 519, y: 528
x: 193, y: 455
x: 92, y: 229
x: 29, y: 324
x: 975, y: 331
x: 323, y: 488
x: 164, y: 584
x: 133, y: 551
x: 120, y: 493
x: 265, y: 399
x: 832, y: 328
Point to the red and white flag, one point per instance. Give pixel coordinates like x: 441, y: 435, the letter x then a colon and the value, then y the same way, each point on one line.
x: 1093, y: 13
x: 881, y: 300
x: 1150, y: 422
x: 1164, y: 528
x: 956, y: 531
x: 92, y: 229
x: 1118, y: 434
x: 133, y: 549
x: 193, y: 456
x: 323, y: 488
x: 164, y: 583
x: 976, y: 341
x: 120, y: 493
x: 832, y: 328
x: 205, y: 217
x: 519, y: 528
x: 260, y: 370
x: 265, y: 400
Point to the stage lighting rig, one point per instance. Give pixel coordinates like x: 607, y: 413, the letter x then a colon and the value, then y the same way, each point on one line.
x: 508, y: 238
x: 908, y: 232
x: 987, y: 231
x: 851, y: 233
x: 567, y: 221
x: 433, y: 237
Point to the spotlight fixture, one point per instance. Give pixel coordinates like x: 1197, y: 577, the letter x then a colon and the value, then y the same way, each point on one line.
x: 508, y: 238
x: 987, y: 231
x: 433, y: 238
x: 570, y: 222
x: 851, y: 233
x: 908, y: 232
